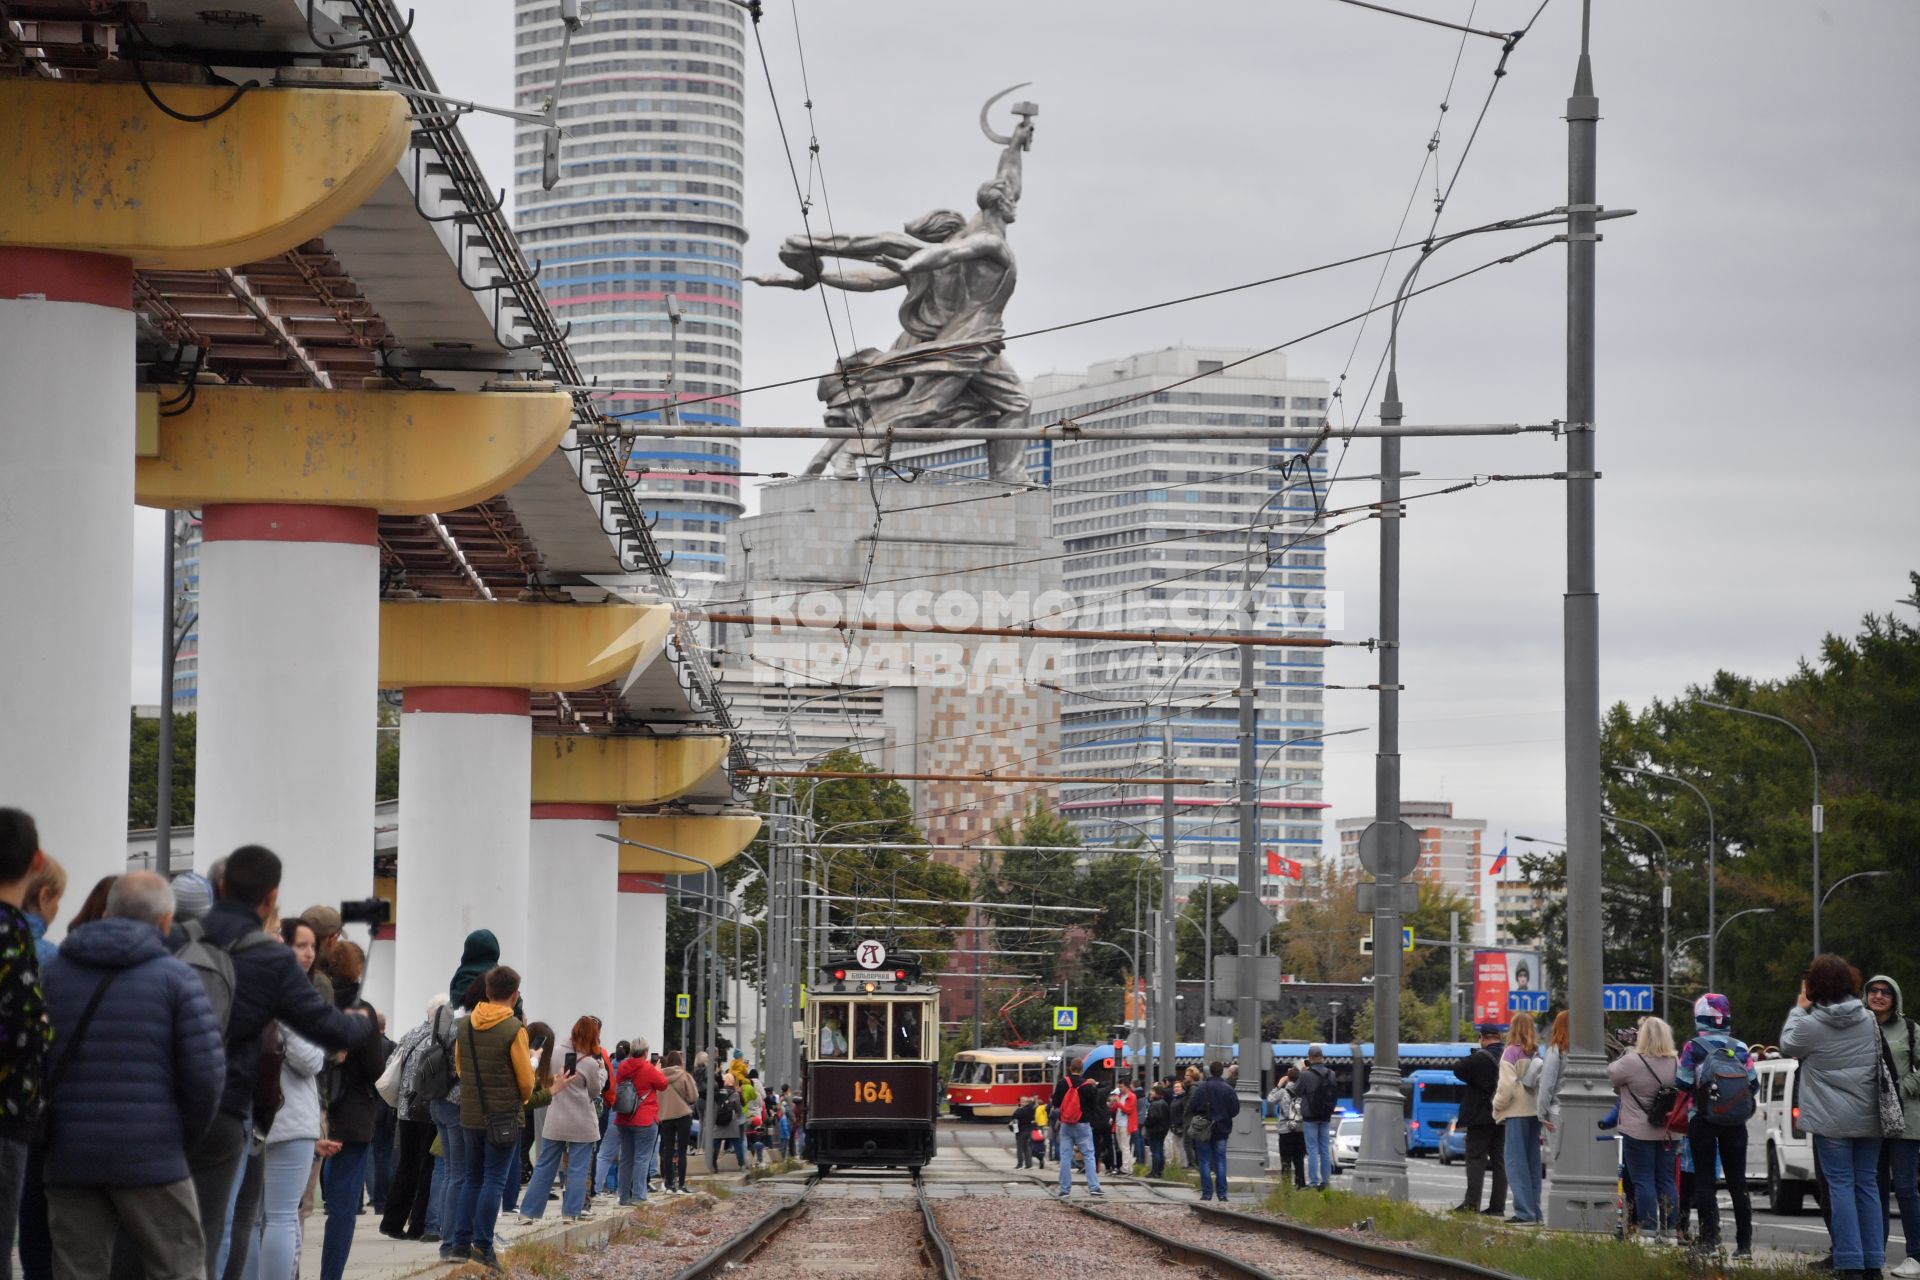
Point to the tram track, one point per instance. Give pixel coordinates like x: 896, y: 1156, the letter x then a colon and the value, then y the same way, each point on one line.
x: 765, y: 1243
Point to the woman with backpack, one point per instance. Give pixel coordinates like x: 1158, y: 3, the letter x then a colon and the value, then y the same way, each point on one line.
x: 1716, y: 1073
x: 1516, y: 1106
x: 636, y: 1118
x: 1644, y: 1079
x: 353, y: 1109
x: 407, y: 1195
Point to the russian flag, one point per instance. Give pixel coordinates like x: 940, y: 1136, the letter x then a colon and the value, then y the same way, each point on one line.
x: 1499, y: 863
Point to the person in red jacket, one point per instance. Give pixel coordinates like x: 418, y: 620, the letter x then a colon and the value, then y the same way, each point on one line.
x: 639, y: 1128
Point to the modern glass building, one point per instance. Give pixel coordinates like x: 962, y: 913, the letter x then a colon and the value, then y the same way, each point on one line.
x: 1167, y: 535
x: 649, y: 204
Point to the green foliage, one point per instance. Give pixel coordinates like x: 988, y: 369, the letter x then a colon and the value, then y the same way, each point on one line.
x: 1860, y: 705
x: 386, y: 757
x: 143, y: 765
x: 1421, y: 1021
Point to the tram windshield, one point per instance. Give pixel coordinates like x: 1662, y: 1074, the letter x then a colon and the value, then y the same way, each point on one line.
x: 871, y: 1031
x: 833, y: 1031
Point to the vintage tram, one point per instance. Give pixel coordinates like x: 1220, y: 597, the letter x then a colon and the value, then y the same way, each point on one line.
x: 872, y: 1062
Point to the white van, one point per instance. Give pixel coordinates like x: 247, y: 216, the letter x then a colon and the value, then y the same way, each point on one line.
x: 1778, y: 1153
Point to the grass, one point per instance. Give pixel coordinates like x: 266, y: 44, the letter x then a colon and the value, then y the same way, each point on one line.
x: 1534, y: 1254
x: 772, y: 1169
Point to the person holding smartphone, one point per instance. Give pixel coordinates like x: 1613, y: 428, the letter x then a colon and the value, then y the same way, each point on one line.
x: 571, y: 1128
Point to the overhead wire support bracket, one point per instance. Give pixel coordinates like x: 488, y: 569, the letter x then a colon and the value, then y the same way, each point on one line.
x: 366, y: 42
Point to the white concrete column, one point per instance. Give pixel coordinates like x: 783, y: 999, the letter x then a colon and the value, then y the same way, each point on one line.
x: 66, y: 522
x: 465, y: 789
x: 572, y: 918
x: 640, y: 991
x: 289, y: 683
x: 378, y: 988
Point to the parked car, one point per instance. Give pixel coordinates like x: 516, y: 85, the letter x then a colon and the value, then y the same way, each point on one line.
x: 1346, y: 1143
x: 1779, y: 1153
x: 1453, y: 1143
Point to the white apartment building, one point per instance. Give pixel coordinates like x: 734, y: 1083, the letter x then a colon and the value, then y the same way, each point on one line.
x: 1451, y: 849
x: 649, y: 203
x: 1168, y: 535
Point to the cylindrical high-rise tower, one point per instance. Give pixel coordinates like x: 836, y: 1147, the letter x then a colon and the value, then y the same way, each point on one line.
x: 649, y: 203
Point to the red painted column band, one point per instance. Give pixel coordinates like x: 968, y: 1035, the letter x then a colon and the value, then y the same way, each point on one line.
x: 576, y: 812
x: 642, y: 882
x: 290, y: 522
x: 475, y: 701
x: 63, y: 275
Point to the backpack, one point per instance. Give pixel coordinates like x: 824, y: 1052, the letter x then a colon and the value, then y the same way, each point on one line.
x: 1070, y: 1103
x: 434, y: 1078
x: 1720, y: 1091
x: 626, y: 1099
x: 213, y: 965
x: 726, y: 1108
x: 1316, y: 1095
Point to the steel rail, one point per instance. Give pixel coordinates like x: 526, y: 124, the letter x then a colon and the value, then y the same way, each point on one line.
x: 739, y: 1247
x: 1198, y: 1255
x: 939, y: 1252
x: 1366, y: 1253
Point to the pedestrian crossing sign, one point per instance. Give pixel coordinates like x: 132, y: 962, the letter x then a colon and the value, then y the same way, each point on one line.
x: 1066, y: 1017
x: 683, y: 1005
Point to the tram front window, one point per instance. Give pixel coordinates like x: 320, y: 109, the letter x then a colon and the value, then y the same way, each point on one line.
x: 870, y: 1030
x: 907, y: 1042
x: 833, y: 1030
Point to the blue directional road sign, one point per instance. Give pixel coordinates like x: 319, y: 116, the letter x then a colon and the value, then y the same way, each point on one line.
x: 1526, y: 1002
x: 1627, y: 997
x: 1066, y: 1017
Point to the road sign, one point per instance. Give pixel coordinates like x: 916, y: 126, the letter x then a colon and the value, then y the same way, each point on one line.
x: 683, y: 1005
x: 803, y: 997
x: 1248, y: 919
x: 1066, y: 1017
x: 871, y: 953
x: 1627, y: 997
x: 1367, y: 894
x: 1366, y: 939
x: 1266, y: 977
x: 1406, y: 938
x: 1389, y: 849
x: 1530, y: 1001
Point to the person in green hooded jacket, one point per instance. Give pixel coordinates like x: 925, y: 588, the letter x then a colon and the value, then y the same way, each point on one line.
x: 1900, y: 1157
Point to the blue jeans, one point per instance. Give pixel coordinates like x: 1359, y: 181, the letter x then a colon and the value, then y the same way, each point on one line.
x: 533, y: 1202
x: 453, y: 1168
x: 1213, y: 1159
x: 1900, y: 1158
x: 436, y: 1182
x: 1319, y: 1152
x: 637, y: 1146
x: 1523, y: 1167
x: 1852, y: 1166
x: 285, y: 1168
x: 480, y: 1189
x: 346, y: 1178
x: 1078, y: 1137
x: 607, y: 1176
x: 1649, y: 1169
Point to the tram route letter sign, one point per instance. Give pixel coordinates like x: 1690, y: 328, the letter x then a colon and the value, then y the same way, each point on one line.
x: 1066, y: 1017
x: 871, y: 954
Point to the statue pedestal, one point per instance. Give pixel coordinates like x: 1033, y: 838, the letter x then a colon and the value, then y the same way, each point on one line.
x: 959, y: 554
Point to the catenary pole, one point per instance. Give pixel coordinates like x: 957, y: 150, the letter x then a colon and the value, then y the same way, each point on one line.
x: 163, y: 779
x: 1168, y: 941
x: 1582, y: 1195
x: 1247, y: 1144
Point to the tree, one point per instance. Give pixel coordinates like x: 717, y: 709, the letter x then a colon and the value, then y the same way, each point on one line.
x: 143, y: 772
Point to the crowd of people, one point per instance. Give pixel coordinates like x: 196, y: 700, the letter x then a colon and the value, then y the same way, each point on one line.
x: 189, y: 1073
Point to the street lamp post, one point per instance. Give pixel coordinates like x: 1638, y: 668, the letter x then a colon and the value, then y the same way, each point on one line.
x: 1666, y: 903
x: 1713, y: 855
x: 1858, y: 875
x: 1819, y: 816
x: 1714, y: 937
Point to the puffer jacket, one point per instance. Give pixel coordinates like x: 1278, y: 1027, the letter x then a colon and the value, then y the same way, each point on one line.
x: 298, y: 1119
x: 146, y: 1082
x: 1837, y: 1045
x: 1903, y: 1044
x: 1637, y: 1078
x: 268, y: 986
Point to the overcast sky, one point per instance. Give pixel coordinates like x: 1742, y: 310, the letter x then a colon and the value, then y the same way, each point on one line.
x: 1757, y: 319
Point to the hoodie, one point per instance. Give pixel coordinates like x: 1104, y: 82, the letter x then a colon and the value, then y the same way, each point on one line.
x: 481, y: 954
x: 490, y: 1053
x: 1836, y: 1045
x: 1903, y: 1046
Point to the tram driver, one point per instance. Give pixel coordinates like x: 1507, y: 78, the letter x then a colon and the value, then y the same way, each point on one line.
x: 870, y: 1038
x: 833, y: 1041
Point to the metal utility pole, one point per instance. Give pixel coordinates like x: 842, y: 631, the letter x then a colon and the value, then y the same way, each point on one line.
x: 1247, y: 1145
x: 1169, y: 925
x: 1453, y: 974
x: 1382, y: 1166
x: 163, y: 778
x: 1581, y: 1196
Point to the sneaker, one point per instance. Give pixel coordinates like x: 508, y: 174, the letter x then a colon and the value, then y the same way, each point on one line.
x: 1097, y: 1194
x: 1746, y: 1255
x: 1066, y: 1195
x: 1492, y: 1212
x: 1463, y: 1208
x: 1905, y: 1271
x: 457, y: 1252
x: 430, y: 1237
x: 486, y: 1259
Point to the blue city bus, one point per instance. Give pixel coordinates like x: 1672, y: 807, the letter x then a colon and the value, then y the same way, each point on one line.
x: 1432, y: 1101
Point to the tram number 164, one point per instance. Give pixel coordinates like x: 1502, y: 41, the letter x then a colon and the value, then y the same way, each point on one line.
x: 872, y: 1091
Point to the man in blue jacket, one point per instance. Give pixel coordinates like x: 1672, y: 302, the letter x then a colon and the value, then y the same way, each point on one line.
x: 1216, y: 1100
x: 134, y: 1081
x: 267, y: 986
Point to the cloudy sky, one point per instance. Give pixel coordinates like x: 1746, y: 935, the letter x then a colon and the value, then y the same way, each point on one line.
x: 1757, y: 318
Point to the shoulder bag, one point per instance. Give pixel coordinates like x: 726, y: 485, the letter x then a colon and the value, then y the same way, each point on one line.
x: 502, y: 1130
x: 1893, y: 1116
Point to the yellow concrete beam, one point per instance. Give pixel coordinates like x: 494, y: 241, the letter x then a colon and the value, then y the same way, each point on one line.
x: 97, y: 168
x: 146, y: 424
x: 713, y: 841
x: 401, y: 452
x: 577, y: 769
x: 548, y: 648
